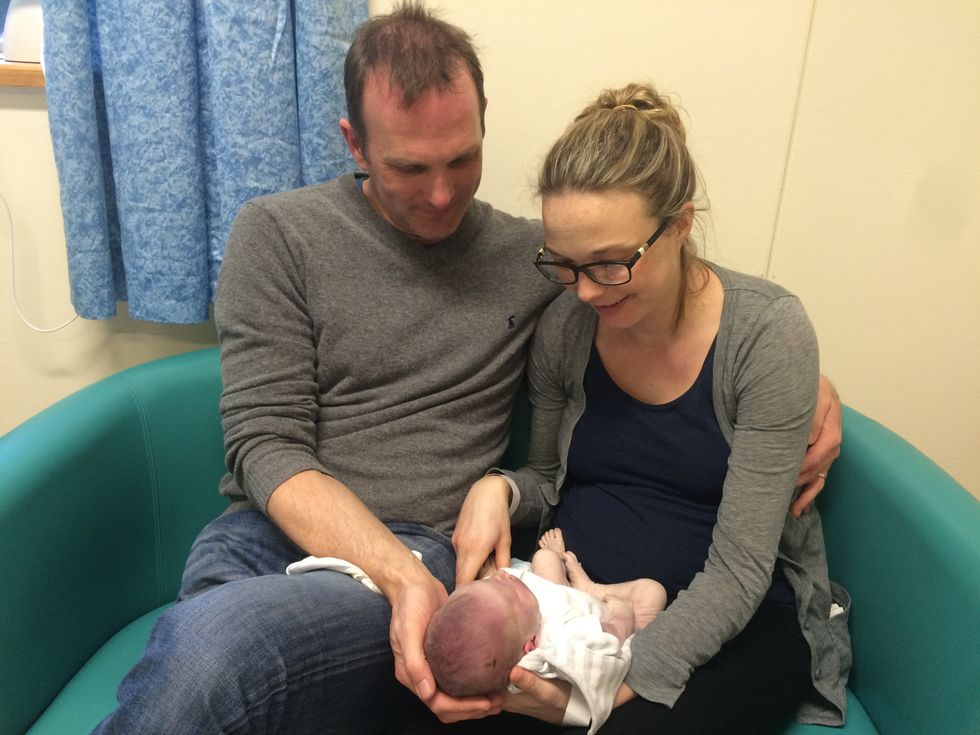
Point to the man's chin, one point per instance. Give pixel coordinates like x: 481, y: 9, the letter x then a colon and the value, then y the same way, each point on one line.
x: 431, y: 233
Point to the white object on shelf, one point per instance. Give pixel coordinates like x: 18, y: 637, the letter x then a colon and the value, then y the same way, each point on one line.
x: 23, y: 32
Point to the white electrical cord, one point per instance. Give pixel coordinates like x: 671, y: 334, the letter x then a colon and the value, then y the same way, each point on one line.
x: 13, y: 279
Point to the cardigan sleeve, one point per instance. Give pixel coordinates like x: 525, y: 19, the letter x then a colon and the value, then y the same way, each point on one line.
x: 548, y: 390
x: 774, y: 375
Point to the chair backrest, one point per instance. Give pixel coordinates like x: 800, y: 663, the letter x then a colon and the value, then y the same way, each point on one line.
x: 520, y: 431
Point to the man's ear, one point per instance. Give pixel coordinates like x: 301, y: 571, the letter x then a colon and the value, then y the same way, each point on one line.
x: 353, y: 144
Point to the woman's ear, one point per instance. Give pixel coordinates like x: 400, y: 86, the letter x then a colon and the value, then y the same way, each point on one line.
x: 684, y: 221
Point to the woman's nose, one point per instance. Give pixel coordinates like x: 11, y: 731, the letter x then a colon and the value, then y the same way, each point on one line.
x: 586, y: 289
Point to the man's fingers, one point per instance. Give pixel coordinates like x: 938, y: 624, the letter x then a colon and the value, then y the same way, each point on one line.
x: 415, y: 675
x: 802, y: 504
x: 503, y: 554
x: 410, y: 615
x: 825, y: 434
x: 819, y: 419
x: 467, y: 566
x: 820, y: 455
x: 455, y: 709
x: 425, y: 687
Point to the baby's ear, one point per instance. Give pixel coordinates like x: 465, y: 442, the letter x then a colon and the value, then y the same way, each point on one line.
x: 531, y: 644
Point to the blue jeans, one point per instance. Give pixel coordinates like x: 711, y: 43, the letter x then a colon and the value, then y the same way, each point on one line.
x: 247, y: 649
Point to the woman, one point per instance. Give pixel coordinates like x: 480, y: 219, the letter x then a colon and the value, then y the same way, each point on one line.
x: 672, y: 405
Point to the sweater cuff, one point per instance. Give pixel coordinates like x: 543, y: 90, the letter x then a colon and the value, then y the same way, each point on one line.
x: 665, y: 695
x: 267, y: 468
x: 515, y: 492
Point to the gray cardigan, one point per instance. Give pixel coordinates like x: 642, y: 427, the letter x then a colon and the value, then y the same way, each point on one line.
x: 765, y: 379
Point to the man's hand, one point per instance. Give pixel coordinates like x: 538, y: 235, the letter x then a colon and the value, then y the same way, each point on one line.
x: 321, y: 515
x: 825, y: 439
x: 483, y: 528
x: 411, y: 609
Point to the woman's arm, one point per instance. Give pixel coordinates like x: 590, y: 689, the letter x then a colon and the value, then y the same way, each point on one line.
x: 774, y: 377
x: 550, y: 375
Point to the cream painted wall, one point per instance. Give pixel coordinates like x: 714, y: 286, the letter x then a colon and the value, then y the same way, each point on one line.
x: 867, y: 207
x: 37, y: 369
x: 880, y: 226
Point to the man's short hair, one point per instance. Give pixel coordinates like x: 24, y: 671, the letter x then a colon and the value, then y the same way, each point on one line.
x: 418, y: 50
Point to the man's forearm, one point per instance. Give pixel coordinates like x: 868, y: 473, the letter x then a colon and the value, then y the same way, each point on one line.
x: 322, y: 516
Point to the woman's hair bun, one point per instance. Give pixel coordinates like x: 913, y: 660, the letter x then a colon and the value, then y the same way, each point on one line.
x: 642, y: 98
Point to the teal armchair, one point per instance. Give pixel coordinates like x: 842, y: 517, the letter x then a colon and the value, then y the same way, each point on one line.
x: 102, y: 494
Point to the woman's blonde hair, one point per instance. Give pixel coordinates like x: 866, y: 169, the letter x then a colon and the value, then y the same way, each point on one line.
x: 629, y: 139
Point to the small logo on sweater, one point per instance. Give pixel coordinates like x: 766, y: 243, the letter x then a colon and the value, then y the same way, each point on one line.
x: 510, y: 321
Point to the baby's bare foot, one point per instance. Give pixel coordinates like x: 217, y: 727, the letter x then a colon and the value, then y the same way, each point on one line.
x: 649, y: 599
x: 552, y: 539
x: 619, y: 617
x: 576, y: 574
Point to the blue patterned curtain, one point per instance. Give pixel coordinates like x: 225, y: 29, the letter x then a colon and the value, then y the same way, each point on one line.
x: 166, y: 115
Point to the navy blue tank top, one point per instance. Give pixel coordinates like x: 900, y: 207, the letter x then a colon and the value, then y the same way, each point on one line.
x: 644, y: 483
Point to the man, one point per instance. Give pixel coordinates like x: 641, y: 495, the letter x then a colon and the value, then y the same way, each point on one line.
x: 373, y: 334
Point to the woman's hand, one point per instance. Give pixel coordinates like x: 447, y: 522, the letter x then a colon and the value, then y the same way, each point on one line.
x: 824, y: 447
x: 547, y: 699
x: 543, y: 699
x: 483, y: 528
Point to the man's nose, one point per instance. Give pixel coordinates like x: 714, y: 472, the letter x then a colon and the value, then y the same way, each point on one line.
x: 440, y: 192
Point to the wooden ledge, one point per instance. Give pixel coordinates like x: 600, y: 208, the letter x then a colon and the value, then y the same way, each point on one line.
x: 17, y: 74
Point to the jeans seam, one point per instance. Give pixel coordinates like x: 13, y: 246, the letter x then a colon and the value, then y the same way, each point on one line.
x: 261, y: 705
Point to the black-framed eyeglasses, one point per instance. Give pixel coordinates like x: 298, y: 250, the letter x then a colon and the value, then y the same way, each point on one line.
x: 603, y: 272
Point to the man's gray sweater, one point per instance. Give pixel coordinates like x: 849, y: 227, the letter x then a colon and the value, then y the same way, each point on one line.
x: 348, y: 348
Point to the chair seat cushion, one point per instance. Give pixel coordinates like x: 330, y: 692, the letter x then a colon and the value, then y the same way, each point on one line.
x: 91, y: 694
x: 858, y: 722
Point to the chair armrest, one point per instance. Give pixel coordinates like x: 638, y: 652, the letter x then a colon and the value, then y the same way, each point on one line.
x: 904, y: 538
x: 100, y: 498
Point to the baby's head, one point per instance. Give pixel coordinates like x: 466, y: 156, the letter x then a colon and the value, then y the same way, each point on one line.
x: 483, y: 630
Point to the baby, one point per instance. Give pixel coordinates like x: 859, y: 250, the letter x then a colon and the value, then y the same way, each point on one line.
x: 553, y: 620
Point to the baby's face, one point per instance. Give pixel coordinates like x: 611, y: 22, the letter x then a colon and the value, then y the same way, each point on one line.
x: 516, y: 604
